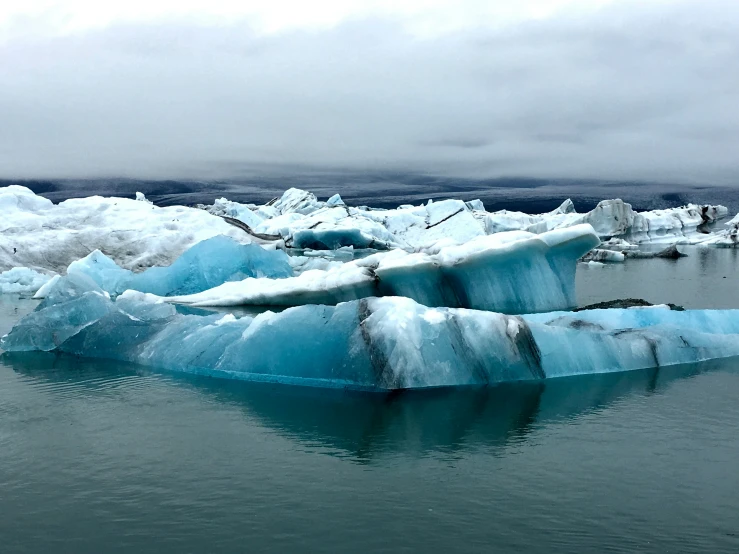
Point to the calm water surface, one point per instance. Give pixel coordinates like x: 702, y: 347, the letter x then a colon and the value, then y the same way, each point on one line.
x: 98, y: 456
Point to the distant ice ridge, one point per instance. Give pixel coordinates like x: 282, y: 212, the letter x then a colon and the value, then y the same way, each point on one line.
x: 381, y: 344
x: 36, y: 233
x: 511, y: 272
x: 22, y: 280
x: 136, y: 234
x: 303, y: 222
x: 209, y: 263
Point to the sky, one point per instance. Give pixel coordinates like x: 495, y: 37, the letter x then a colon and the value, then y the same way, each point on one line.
x: 606, y: 89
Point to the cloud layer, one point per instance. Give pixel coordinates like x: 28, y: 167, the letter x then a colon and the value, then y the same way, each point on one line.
x: 624, y: 92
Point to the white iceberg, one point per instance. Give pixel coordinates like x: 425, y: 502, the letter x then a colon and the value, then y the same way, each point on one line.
x: 136, y: 234
x: 304, y: 222
x: 22, y: 280
x: 379, y: 344
x: 34, y: 232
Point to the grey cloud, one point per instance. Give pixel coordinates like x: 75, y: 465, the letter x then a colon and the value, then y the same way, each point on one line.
x: 625, y: 93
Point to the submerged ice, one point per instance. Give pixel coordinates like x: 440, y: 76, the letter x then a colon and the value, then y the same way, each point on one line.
x: 379, y: 344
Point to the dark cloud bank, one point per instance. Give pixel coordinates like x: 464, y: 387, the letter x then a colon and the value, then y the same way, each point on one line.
x: 629, y: 93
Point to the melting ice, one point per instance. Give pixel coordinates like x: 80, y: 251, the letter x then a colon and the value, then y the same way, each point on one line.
x: 375, y: 343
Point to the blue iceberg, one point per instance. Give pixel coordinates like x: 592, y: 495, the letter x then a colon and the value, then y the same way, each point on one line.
x: 207, y: 264
x: 513, y: 272
x: 378, y: 344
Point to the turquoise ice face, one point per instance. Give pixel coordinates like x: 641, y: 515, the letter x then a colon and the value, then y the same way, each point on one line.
x: 380, y: 344
x: 207, y: 264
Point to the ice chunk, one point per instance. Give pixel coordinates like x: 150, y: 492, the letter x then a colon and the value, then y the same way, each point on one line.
x: 599, y: 255
x: 141, y: 197
x: 670, y: 253
x: 335, y: 200
x: 22, y: 280
x: 378, y: 344
x: 297, y: 201
x: 74, y: 303
x: 43, y: 292
x: 515, y: 272
x: 245, y: 213
x: 209, y: 263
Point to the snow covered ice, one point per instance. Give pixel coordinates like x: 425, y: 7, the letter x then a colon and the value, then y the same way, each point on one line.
x: 36, y: 233
x: 379, y: 344
x: 512, y: 272
x: 136, y: 234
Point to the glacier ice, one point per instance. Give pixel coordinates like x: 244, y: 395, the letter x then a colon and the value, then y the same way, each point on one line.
x: 513, y: 272
x: 205, y: 265
x: 22, y: 280
x: 381, y: 344
x: 136, y: 234
x: 36, y: 233
x: 302, y: 222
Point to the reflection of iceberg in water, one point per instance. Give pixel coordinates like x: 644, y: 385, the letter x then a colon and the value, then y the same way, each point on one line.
x: 362, y: 426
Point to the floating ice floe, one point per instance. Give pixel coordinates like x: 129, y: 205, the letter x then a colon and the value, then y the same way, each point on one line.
x: 34, y: 232
x: 22, y: 280
x: 303, y: 222
x: 600, y: 255
x: 511, y: 272
x: 209, y: 263
x: 380, y: 344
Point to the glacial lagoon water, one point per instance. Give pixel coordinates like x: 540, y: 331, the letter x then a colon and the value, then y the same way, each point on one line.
x: 97, y: 456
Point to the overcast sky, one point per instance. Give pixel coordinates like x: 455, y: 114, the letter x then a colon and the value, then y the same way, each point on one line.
x: 621, y: 89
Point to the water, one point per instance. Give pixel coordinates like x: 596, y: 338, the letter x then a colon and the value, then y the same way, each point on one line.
x: 705, y: 279
x: 98, y: 456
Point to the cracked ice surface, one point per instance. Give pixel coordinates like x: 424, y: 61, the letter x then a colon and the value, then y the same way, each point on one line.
x: 376, y: 343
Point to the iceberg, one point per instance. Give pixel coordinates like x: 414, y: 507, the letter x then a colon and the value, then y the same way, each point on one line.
x: 302, y: 221
x: 36, y: 233
x: 209, y: 263
x: 22, y: 280
x: 136, y: 234
x: 513, y: 272
x: 375, y: 344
